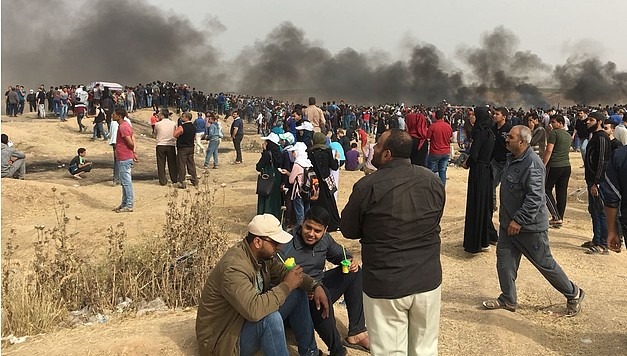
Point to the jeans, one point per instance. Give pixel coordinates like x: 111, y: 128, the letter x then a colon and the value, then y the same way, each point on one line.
x: 557, y: 177
x: 535, y: 247
x: 64, y: 108
x: 212, y: 151
x: 12, y: 109
x: 366, y: 126
x: 300, y: 207
x: 599, y: 226
x: 79, y: 120
x: 149, y: 101
x: 125, y: 167
x: 584, y: 144
x: 116, y: 168
x: 268, y: 334
x: 336, y: 284
x: 438, y: 164
x: 99, y: 130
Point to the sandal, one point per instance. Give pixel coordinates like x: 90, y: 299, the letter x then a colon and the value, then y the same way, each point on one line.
x: 356, y: 346
x: 493, y: 304
x: 573, y: 306
x: 597, y: 250
x: 587, y: 244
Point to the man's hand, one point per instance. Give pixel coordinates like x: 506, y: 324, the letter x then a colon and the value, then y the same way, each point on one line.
x: 594, y: 190
x: 465, y: 165
x: 613, y: 241
x: 320, y: 298
x: 294, y: 277
x: 354, y: 267
x: 513, y: 228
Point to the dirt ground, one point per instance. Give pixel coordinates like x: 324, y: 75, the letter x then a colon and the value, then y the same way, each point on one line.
x: 537, y: 328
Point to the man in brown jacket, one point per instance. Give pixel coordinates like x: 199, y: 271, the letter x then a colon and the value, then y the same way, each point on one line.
x: 315, y: 115
x: 249, y: 294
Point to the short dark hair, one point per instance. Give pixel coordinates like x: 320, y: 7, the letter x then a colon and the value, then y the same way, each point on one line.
x: 353, y: 145
x: 120, y: 111
x: 610, y: 122
x: 312, y: 100
x: 399, y: 143
x: 318, y: 214
x: 81, y: 150
x: 559, y: 118
x: 4, y: 138
x: 250, y: 237
x: 503, y: 111
x: 439, y: 114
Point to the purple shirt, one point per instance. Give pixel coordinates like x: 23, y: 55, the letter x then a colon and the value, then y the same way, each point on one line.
x: 352, y: 160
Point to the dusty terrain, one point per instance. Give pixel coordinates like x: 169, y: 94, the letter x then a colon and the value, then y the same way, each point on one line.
x: 537, y: 328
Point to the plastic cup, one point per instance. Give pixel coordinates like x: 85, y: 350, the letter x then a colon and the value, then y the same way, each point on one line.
x: 289, y: 263
x: 345, y: 265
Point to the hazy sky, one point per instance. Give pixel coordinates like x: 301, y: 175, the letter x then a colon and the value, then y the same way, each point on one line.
x: 553, y: 29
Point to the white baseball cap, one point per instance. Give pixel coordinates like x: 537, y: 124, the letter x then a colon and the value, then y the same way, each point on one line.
x: 272, y: 137
x: 267, y: 225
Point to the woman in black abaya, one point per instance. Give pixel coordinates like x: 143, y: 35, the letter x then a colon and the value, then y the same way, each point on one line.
x: 479, y: 230
x: 322, y: 160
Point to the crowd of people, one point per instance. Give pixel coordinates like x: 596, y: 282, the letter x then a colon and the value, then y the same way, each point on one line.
x: 394, y: 210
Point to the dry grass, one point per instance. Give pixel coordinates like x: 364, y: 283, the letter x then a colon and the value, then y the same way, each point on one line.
x: 37, y: 297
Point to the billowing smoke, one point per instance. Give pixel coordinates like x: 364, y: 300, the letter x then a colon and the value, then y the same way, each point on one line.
x: 114, y: 40
x: 589, y: 81
x: 497, y: 64
x: 132, y: 41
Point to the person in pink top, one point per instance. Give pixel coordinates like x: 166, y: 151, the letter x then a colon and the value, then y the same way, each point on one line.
x: 297, y: 178
x: 439, y: 134
x: 125, y: 155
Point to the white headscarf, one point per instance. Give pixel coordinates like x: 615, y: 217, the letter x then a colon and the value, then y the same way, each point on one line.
x: 301, y: 155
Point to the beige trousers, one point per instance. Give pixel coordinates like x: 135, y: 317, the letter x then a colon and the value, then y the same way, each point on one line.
x: 404, y: 326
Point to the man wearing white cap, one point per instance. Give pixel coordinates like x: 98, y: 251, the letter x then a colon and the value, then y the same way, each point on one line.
x: 249, y: 294
x: 304, y: 128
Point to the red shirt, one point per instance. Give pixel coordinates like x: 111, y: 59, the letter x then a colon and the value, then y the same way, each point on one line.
x: 439, y: 134
x: 363, y: 137
x: 122, y: 151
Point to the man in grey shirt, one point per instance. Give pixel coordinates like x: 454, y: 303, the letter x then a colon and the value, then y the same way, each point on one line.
x: 13, y: 161
x: 524, y: 224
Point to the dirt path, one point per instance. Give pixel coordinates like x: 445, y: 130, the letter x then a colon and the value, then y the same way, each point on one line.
x: 537, y: 328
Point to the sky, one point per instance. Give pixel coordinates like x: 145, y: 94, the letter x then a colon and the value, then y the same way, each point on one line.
x: 363, y: 50
x: 553, y: 29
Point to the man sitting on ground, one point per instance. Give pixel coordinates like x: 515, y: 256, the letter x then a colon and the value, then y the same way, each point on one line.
x: 78, y: 165
x: 311, y: 247
x: 249, y: 294
x: 13, y: 161
x: 352, y: 158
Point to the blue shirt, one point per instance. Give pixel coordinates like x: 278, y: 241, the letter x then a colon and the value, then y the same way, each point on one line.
x: 336, y: 146
x: 200, y: 124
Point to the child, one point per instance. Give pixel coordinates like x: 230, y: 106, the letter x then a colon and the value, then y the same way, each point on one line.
x: 153, y: 121
x: 78, y: 165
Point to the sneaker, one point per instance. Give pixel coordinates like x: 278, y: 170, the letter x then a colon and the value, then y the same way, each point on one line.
x: 215, y: 167
x: 124, y: 210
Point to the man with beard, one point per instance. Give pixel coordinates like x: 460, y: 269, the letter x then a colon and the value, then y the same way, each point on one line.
x: 395, y: 212
x: 596, y: 158
x: 499, y: 153
x: 524, y: 224
x: 249, y: 294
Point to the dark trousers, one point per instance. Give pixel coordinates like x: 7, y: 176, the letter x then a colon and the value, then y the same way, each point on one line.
x: 185, y: 161
x: 535, y: 247
x: 337, y: 284
x: 418, y: 156
x: 557, y: 177
x: 237, y: 144
x: 167, y: 154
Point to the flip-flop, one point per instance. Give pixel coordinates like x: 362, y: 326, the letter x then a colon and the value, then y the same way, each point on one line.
x: 354, y: 346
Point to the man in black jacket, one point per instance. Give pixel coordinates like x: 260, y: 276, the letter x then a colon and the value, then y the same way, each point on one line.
x: 596, y: 158
x: 613, y: 189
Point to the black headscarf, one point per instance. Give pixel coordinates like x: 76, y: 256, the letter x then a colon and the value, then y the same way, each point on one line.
x: 484, y: 119
x: 275, y: 151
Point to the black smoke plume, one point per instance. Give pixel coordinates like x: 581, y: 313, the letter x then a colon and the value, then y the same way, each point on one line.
x: 133, y: 41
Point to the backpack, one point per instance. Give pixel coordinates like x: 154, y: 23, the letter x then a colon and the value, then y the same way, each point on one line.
x: 310, y: 190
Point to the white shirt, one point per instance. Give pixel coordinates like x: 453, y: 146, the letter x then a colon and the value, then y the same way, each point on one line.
x: 620, y: 133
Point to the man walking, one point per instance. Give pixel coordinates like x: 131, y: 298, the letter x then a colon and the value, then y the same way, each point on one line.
x: 166, y: 147
x: 524, y: 224
x: 125, y: 155
x: 185, y: 135
x: 315, y: 115
x: 439, y: 134
x: 396, y: 213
